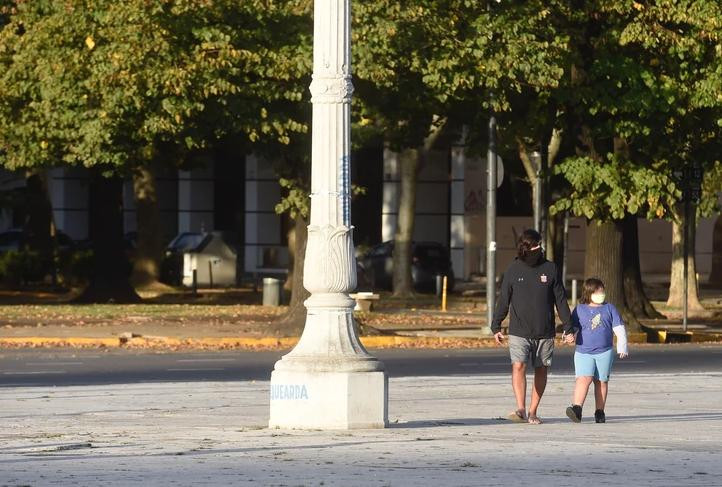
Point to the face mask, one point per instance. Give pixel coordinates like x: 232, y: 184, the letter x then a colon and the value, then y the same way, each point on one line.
x: 533, y: 256
x: 598, y: 298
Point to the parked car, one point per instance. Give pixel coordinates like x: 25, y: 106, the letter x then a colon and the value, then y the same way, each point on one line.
x: 16, y: 239
x: 428, y: 260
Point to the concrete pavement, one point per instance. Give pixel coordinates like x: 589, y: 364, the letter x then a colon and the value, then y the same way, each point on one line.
x: 663, y: 429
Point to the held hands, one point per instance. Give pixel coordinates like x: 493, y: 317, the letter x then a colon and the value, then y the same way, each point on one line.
x: 499, y: 337
x: 569, y: 338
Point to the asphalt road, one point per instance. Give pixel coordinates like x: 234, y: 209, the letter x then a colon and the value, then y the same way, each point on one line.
x: 64, y: 367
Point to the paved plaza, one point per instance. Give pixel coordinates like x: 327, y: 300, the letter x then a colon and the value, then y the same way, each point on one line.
x: 662, y: 430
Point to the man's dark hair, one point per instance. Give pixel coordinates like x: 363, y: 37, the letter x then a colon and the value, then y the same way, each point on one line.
x: 590, y: 286
x: 528, y: 240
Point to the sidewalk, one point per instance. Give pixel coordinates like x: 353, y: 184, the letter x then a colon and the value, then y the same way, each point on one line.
x: 434, y: 330
x: 444, y: 431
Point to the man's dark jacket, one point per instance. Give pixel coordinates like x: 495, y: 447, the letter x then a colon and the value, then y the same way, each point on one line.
x: 532, y: 291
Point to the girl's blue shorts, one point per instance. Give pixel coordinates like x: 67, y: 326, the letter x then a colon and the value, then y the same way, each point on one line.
x: 597, y: 365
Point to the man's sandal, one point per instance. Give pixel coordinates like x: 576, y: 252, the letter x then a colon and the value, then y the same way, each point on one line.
x: 535, y: 420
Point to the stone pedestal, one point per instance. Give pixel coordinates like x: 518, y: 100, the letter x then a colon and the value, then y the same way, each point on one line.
x: 329, y: 381
x: 328, y: 400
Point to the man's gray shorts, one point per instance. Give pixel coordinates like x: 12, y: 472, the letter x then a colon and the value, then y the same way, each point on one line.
x: 538, y: 351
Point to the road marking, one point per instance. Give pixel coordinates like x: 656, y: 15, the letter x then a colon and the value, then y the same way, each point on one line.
x: 45, y: 364
x: 194, y: 370
x: 37, y: 372
x: 206, y: 360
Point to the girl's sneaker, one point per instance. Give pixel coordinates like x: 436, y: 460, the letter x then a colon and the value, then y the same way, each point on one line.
x: 574, y: 412
x: 599, y: 416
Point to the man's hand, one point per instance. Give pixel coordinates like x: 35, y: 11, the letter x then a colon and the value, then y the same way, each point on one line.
x: 499, y: 337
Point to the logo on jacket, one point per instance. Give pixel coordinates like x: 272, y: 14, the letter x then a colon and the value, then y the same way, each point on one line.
x: 543, y: 278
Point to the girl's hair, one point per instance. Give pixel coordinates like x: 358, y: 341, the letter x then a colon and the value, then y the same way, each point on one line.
x: 527, y: 240
x: 591, y: 285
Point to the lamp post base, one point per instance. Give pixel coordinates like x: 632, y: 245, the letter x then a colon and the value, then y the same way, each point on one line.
x: 328, y: 400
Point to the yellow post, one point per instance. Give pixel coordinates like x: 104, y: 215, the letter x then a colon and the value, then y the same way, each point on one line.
x: 443, y: 295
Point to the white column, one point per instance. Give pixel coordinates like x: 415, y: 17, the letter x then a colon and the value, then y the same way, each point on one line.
x: 329, y: 381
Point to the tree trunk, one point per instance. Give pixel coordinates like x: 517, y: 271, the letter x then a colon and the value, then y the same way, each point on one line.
x: 603, y: 260
x: 554, y: 232
x: 293, y: 321
x: 715, y: 276
x: 676, y: 284
x: 402, y: 282
x: 109, y: 282
x: 530, y: 170
x: 634, y: 294
x: 38, y: 227
x: 410, y: 162
x: 554, y: 238
x: 146, y: 267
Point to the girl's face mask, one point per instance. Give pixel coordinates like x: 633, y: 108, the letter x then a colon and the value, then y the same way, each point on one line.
x: 599, y: 297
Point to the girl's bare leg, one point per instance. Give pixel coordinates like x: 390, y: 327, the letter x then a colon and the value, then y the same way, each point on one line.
x: 580, y: 390
x: 600, y: 393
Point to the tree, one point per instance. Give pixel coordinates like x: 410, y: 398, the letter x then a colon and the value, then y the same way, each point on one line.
x: 421, y: 66
x: 108, y: 85
x: 682, y: 44
x: 633, y: 111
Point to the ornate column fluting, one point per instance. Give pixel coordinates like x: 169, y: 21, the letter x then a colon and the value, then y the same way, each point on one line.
x: 329, y: 380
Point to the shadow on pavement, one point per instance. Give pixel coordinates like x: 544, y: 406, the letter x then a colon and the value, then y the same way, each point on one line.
x: 717, y: 415
x: 442, y: 423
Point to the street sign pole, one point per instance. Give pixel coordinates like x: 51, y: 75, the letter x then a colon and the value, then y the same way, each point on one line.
x: 690, y: 180
x: 685, y: 251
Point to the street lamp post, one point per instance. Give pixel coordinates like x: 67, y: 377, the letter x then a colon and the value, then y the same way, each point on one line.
x: 491, y: 224
x: 329, y: 381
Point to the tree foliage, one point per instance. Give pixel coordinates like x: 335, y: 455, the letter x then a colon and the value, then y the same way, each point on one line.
x: 114, y: 83
x: 645, y: 102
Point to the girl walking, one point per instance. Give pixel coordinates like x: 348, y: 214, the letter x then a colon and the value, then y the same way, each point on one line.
x: 595, y: 322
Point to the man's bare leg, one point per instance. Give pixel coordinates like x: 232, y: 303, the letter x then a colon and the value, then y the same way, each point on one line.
x: 600, y: 393
x: 518, y: 383
x: 540, y: 383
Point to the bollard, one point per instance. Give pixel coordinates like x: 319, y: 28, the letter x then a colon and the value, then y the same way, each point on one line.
x: 271, y: 291
x: 443, y: 295
x: 574, y: 293
x: 210, y: 274
x: 195, y: 281
x: 439, y: 284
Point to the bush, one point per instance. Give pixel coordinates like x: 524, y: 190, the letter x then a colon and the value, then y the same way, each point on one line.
x: 76, y: 267
x: 20, y: 267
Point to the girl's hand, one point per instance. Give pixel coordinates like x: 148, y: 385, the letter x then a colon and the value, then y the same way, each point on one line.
x: 623, y: 355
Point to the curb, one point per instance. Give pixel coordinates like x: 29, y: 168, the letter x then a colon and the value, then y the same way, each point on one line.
x: 271, y: 343
x: 664, y: 336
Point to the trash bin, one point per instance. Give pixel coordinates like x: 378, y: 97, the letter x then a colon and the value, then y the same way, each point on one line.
x: 271, y: 291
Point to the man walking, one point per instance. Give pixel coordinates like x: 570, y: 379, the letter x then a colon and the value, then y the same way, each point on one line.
x: 531, y: 287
